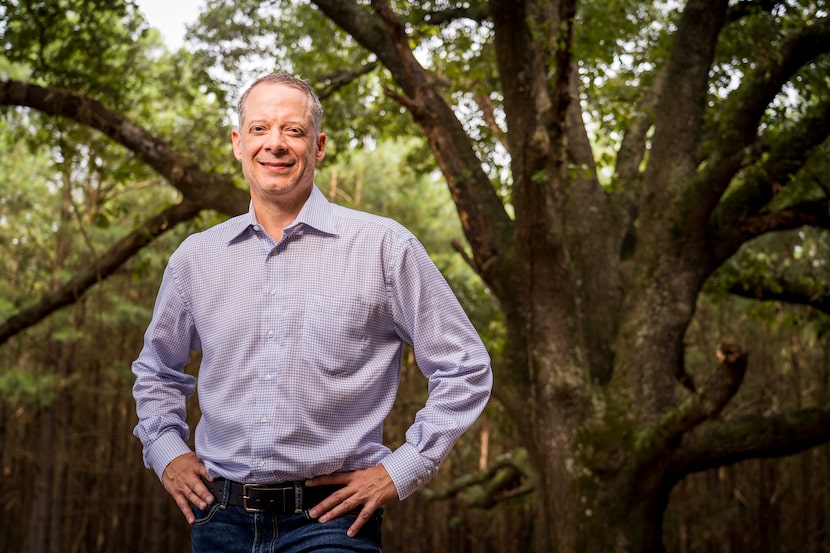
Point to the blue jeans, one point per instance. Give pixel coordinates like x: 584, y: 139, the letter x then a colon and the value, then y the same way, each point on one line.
x: 230, y: 529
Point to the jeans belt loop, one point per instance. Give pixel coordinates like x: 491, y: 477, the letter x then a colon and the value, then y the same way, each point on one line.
x: 226, y: 493
x: 298, y: 498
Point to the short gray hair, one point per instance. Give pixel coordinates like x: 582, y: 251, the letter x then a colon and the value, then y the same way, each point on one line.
x: 294, y: 82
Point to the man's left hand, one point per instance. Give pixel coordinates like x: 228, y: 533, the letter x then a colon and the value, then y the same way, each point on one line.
x: 372, y: 488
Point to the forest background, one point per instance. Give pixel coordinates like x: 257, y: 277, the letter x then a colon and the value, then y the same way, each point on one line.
x: 629, y: 198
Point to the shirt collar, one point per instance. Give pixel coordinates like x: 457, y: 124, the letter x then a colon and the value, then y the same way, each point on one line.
x: 316, y: 213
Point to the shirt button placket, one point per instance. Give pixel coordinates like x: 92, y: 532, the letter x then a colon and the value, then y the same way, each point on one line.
x: 264, y: 402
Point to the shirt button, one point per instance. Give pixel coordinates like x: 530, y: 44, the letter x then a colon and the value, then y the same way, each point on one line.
x: 273, y: 291
x: 419, y: 482
x: 270, y: 333
x: 263, y: 419
x: 261, y: 463
x: 267, y: 377
x: 257, y: 228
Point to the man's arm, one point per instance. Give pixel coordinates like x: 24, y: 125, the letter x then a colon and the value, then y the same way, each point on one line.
x: 450, y: 354
x: 161, y: 391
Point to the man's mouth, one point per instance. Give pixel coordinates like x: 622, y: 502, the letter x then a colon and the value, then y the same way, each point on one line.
x: 276, y: 165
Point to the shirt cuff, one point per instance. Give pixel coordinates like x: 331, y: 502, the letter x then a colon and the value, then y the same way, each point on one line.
x: 167, y: 447
x: 408, y: 470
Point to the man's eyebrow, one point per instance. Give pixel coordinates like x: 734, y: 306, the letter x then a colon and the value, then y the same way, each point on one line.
x: 291, y: 123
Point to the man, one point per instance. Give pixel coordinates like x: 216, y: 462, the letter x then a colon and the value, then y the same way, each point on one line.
x: 300, y: 309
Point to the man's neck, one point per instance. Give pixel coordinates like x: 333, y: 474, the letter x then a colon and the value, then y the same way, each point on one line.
x: 274, y: 216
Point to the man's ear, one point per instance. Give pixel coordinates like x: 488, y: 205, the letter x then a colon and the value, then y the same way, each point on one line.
x: 237, y: 145
x: 321, y: 147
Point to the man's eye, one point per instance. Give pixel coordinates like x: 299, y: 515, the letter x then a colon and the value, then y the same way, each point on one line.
x: 257, y: 128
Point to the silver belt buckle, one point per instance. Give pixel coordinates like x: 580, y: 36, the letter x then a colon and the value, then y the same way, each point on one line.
x: 264, y: 488
x: 246, y: 497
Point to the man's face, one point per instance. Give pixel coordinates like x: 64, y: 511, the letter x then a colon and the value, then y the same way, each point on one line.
x: 277, y: 144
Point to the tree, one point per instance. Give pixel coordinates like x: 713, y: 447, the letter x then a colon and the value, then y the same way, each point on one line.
x: 598, y: 284
x: 650, y: 149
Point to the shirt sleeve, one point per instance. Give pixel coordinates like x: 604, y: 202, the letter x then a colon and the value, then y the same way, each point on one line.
x: 161, y: 386
x: 451, y: 356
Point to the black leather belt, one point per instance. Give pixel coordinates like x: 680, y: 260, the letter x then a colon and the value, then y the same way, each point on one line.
x: 284, y: 498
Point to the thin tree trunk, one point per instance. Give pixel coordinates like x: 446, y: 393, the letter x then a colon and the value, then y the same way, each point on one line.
x: 5, y: 413
x: 40, y: 498
x: 59, y: 470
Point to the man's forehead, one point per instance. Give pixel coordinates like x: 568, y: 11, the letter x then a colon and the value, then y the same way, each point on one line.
x: 267, y: 96
x: 272, y: 91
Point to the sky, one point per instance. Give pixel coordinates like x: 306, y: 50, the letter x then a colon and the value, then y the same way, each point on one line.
x: 170, y: 17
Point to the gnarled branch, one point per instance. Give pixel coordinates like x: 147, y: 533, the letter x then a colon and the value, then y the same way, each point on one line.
x: 506, y: 477
x: 720, y: 443
x: 737, y: 219
x: 486, y: 224
x: 706, y: 403
x: 742, y: 112
x: 810, y: 292
x: 201, y: 190
x: 209, y: 190
x: 100, y: 268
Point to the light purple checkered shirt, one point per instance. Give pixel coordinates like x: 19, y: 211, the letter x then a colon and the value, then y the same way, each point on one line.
x: 301, y: 344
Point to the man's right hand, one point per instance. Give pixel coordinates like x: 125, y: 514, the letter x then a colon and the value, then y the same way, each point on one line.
x: 182, y: 478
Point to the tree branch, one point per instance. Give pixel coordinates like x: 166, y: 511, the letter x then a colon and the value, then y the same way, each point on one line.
x: 210, y: 191
x: 339, y: 79
x: 812, y: 292
x: 99, y: 269
x: 741, y: 113
x: 506, y: 477
x: 628, y: 171
x: 443, y: 17
x: 814, y: 213
x: 785, y: 155
x: 633, y: 146
x: 719, y: 444
x: 679, y: 113
x: 488, y: 112
x: 486, y: 224
x: 706, y: 403
x: 201, y: 190
x: 746, y: 8
x: 527, y: 103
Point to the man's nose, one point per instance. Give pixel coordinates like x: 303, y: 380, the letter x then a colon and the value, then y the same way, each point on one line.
x: 275, y: 141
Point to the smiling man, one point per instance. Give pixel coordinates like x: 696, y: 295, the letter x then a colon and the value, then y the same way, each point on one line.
x: 300, y: 309
x: 278, y: 143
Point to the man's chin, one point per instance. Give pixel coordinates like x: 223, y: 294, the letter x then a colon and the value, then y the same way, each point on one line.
x: 284, y: 189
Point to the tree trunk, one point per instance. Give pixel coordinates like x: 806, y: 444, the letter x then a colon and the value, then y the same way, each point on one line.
x: 581, y: 512
x: 59, y: 467
x: 37, y: 538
